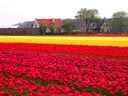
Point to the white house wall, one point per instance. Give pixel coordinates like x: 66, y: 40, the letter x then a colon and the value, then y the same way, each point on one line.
x: 36, y: 25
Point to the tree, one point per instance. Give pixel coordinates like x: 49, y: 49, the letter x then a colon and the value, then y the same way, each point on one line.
x: 120, y: 21
x: 120, y: 14
x: 59, y: 30
x: 68, y: 26
x: 52, y: 28
x: 87, y: 15
x: 43, y: 28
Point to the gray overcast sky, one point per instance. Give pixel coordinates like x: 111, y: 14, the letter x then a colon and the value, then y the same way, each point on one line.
x: 15, y: 11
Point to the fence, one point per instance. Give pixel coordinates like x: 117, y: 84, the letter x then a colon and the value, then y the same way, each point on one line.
x: 20, y: 31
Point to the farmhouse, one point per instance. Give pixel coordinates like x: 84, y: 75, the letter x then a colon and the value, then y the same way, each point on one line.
x: 106, y: 27
x: 103, y: 26
x: 82, y: 27
x: 48, y: 22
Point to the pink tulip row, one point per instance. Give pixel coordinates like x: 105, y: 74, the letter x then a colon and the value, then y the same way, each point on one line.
x: 108, y: 52
x: 69, y: 75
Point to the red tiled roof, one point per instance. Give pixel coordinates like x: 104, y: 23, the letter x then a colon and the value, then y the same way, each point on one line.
x: 57, y: 22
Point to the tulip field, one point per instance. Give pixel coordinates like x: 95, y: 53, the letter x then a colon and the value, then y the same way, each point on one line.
x: 63, y: 66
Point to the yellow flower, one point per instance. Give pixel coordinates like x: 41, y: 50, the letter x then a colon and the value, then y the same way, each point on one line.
x: 68, y: 40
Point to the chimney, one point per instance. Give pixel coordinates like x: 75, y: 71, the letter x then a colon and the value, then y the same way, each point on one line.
x: 53, y: 20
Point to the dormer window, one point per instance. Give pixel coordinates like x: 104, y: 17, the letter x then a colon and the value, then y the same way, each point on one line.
x: 53, y: 20
x: 45, y: 24
x: 52, y: 24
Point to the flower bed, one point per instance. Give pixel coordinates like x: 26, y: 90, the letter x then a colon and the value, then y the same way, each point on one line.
x: 104, y: 51
x: 61, y: 74
x: 63, y: 69
x: 65, y: 40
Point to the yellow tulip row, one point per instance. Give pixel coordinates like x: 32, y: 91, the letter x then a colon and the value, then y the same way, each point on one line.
x: 96, y: 41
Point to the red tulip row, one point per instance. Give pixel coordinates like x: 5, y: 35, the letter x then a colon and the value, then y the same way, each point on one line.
x: 108, y: 51
x: 111, y: 35
x: 13, y: 86
x: 47, y: 74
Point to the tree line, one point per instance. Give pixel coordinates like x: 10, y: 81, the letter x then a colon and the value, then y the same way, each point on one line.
x: 119, y: 20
